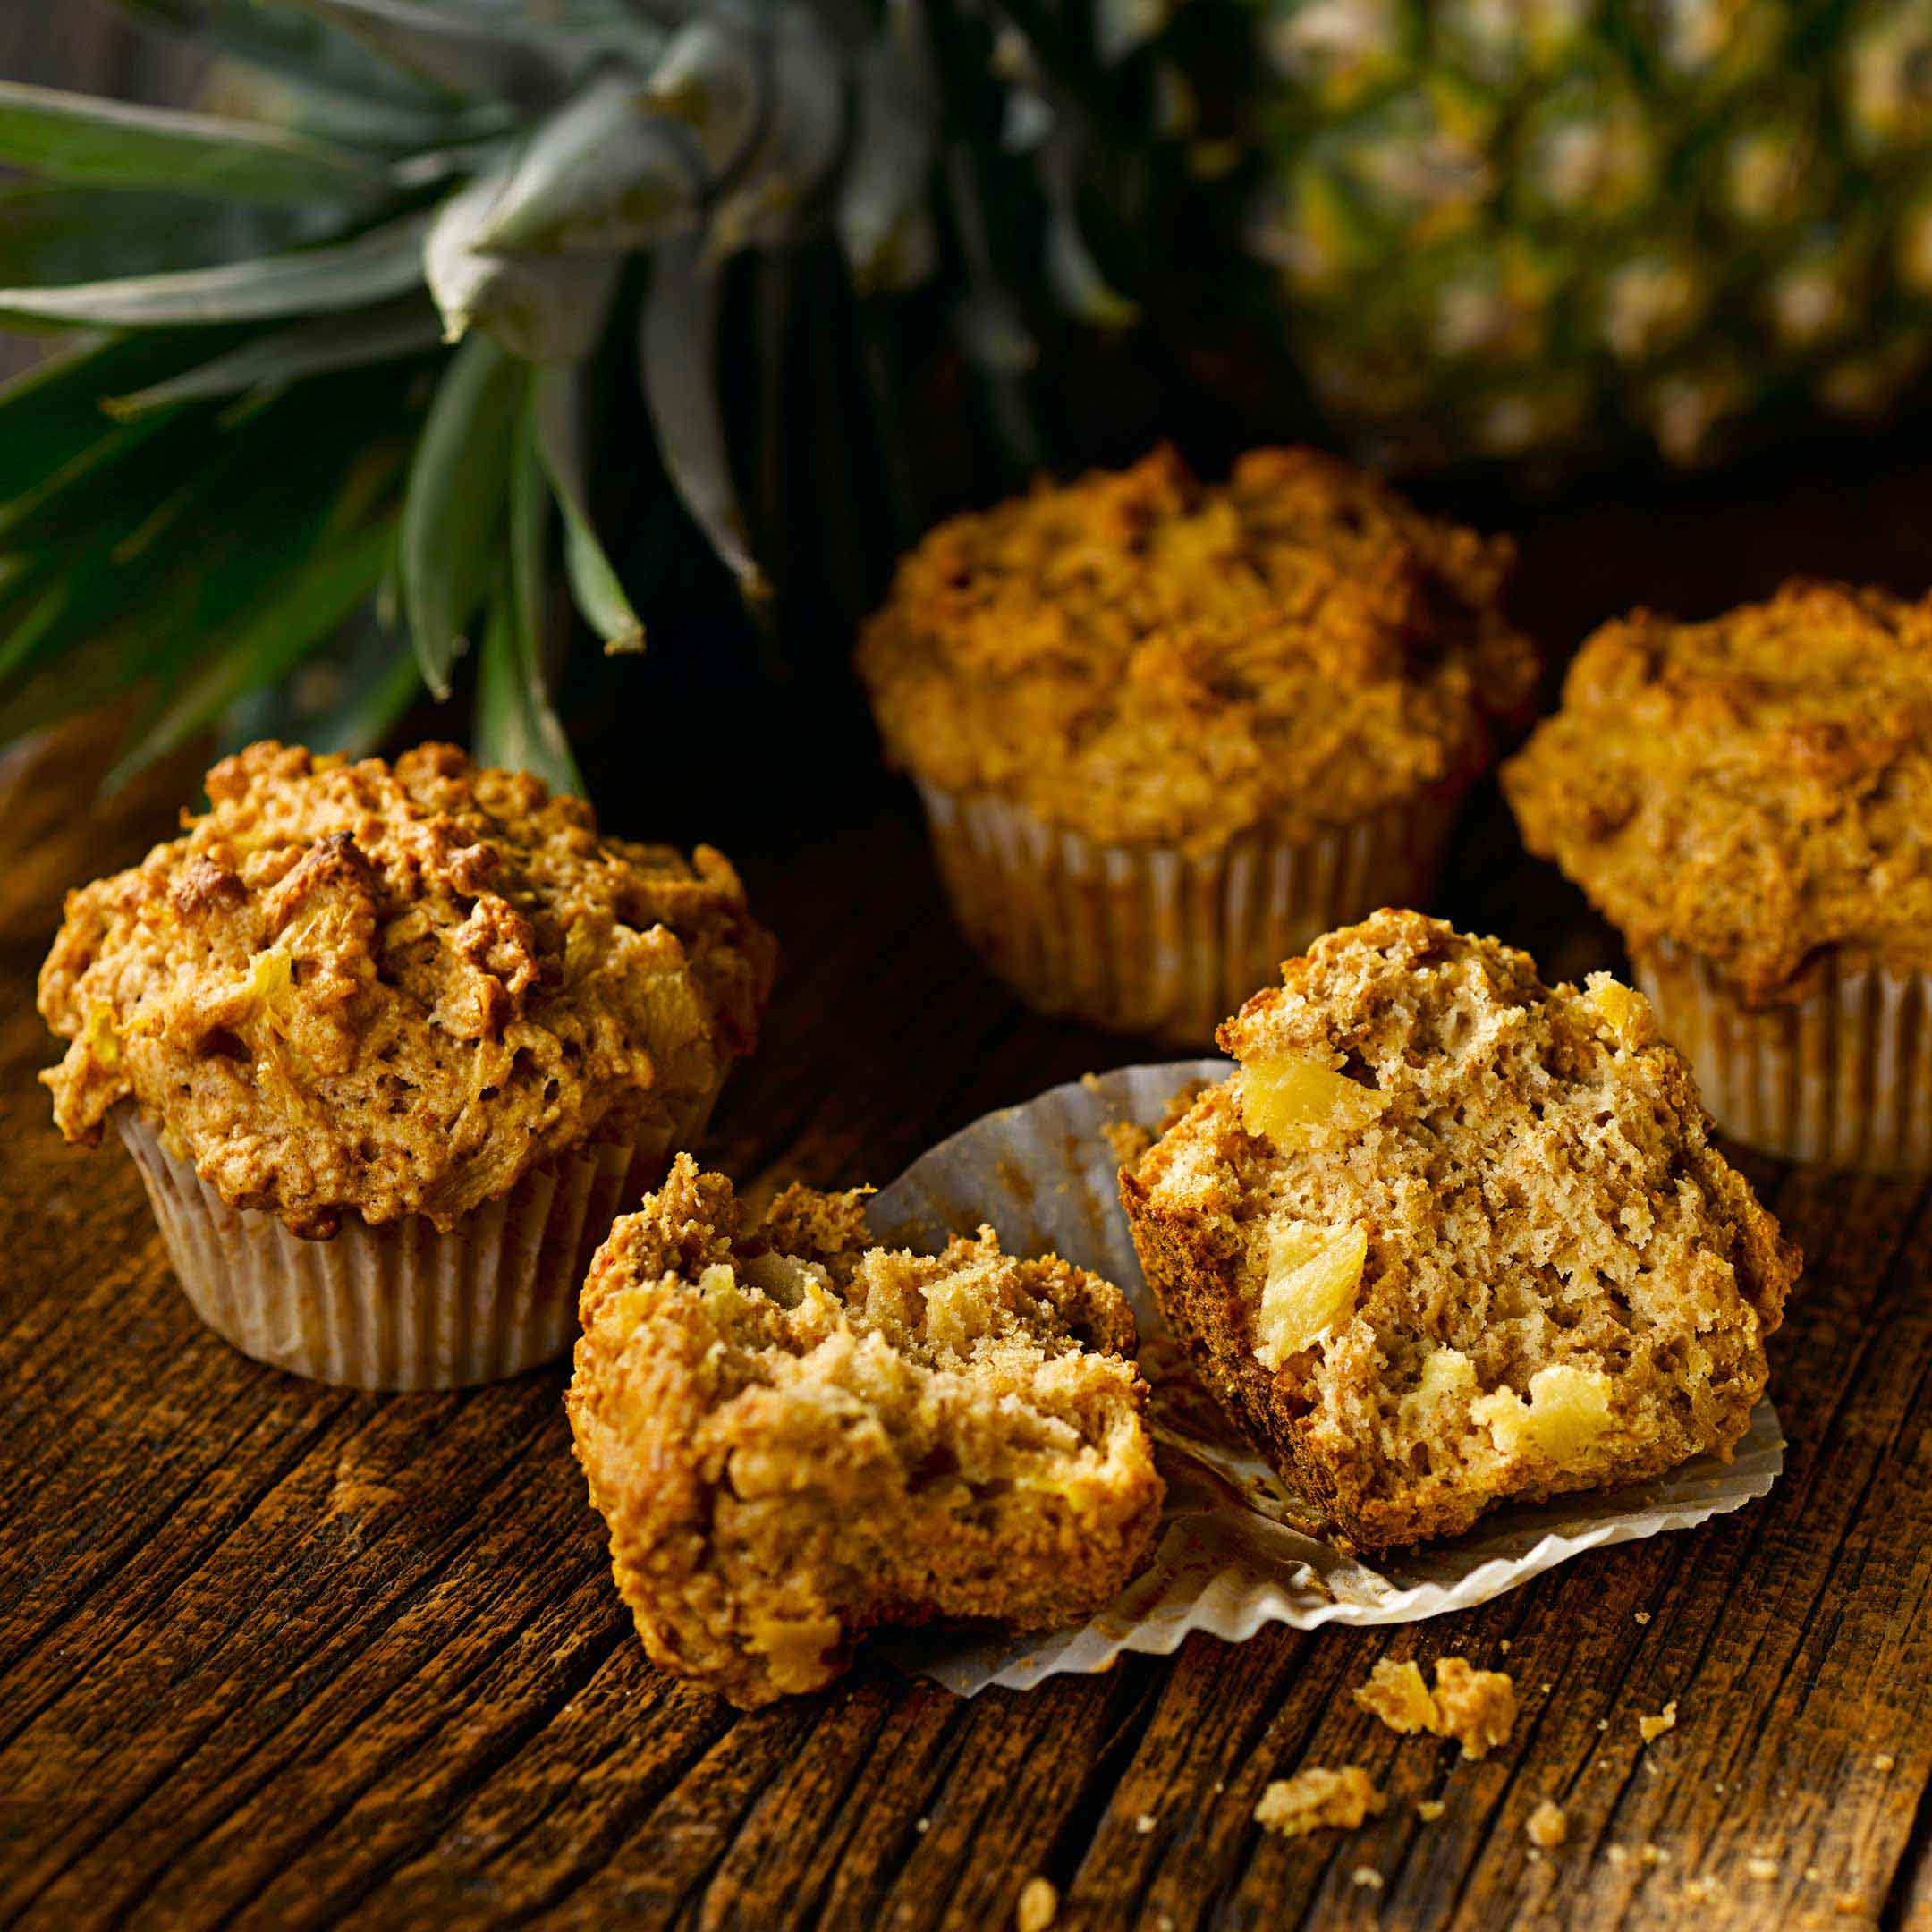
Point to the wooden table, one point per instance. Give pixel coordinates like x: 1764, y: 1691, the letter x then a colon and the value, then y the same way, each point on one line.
x: 272, y: 1654
x: 275, y: 1655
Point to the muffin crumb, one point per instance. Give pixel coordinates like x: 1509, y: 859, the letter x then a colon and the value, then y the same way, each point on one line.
x: 1653, y: 1728
x: 1548, y: 1824
x: 1366, y: 1878
x: 1475, y: 1707
x: 1428, y: 1810
x: 1763, y: 1869
x: 1318, y: 1799
x: 1039, y: 1905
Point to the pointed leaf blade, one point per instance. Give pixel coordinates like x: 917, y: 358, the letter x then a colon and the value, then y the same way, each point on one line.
x: 115, y: 144
x: 330, y: 343
x: 557, y: 415
x: 516, y: 725
x: 453, y: 511
x: 386, y: 262
x: 51, y: 235
x: 320, y: 596
x: 602, y: 175
x: 548, y: 309
x: 464, y: 53
x: 51, y: 419
x: 677, y: 338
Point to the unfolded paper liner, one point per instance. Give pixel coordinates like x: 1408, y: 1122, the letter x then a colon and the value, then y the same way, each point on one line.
x: 1841, y: 1077
x: 1236, y: 1549
x: 402, y: 1305
x: 1155, y: 939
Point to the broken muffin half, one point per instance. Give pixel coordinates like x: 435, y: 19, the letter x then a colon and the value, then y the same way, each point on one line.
x: 1450, y: 1237
x: 795, y: 1436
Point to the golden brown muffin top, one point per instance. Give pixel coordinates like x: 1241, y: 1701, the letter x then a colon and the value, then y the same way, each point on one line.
x: 354, y: 988
x: 1759, y: 787
x: 1142, y: 656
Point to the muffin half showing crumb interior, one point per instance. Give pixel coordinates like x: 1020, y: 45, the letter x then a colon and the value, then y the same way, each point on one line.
x: 796, y: 1435
x: 1451, y: 1237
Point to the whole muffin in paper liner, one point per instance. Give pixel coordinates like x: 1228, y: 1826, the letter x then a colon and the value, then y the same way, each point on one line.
x: 430, y: 1007
x: 1749, y: 801
x: 1167, y: 732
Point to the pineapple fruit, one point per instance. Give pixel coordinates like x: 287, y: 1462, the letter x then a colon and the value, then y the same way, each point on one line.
x: 1508, y: 228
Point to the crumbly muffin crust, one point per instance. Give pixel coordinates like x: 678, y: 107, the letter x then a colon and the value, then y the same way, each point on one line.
x: 352, y: 989
x: 1756, y: 788
x: 795, y: 1436
x: 1141, y: 656
x: 1450, y: 1236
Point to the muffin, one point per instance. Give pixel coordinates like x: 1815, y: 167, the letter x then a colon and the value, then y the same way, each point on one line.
x: 796, y: 1436
x: 1167, y: 732
x: 389, y: 1046
x: 1749, y: 801
x: 1449, y: 1237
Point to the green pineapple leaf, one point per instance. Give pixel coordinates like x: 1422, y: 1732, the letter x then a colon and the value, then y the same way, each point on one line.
x: 51, y: 235
x: 363, y: 717
x: 603, y: 173
x: 515, y: 723
x: 52, y: 425
x: 557, y: 409
x: 676, y: 335
x: 545, y: 311
x: 76, y: 138
x: 321, y: 597
x: 386, y: 262
x: 170, y: 566
x: 453, y: 511
x: 291, y: 41
x: 406, y: 327
x: 491, y: 54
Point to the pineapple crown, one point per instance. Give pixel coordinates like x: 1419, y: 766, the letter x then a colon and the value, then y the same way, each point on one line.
x: 342, y: 329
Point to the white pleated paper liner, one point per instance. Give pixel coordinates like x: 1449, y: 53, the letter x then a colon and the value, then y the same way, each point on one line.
x: 404, y: 1305
x: 1236, y: 1550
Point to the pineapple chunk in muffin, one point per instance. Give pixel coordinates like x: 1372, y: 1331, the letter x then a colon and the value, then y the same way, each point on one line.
x: 795, y: 1436
x: 1450, y: 1237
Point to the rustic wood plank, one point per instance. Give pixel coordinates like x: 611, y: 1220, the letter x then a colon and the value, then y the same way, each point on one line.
x: 277, y: 1656
x: 311, y: 1655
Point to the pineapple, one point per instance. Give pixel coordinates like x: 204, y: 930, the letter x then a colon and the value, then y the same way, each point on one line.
x: 344, y: 333
x: 1503, y: 228
x: 348, y: 339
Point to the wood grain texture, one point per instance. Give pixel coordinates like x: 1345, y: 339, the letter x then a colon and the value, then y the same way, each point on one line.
x: 275, y: 1654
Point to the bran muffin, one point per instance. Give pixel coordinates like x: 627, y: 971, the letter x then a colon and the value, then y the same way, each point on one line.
x: 1166, y: 731
x: 795, y: 1436
x: 388, y: 1043
x: 1450, y: 1237
x: 1749, y: 801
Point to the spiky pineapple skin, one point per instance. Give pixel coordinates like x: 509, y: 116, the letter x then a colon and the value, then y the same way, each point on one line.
x: 1518, y: 228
